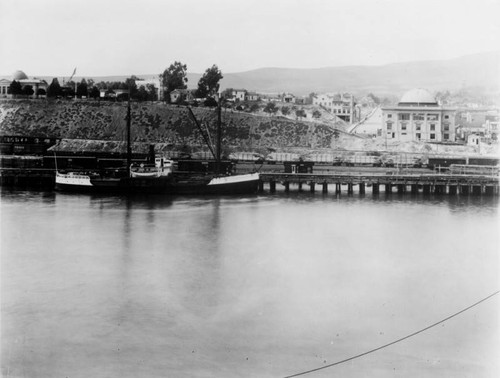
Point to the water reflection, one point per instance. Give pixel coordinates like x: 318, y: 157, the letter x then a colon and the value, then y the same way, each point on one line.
x: 114, y: 286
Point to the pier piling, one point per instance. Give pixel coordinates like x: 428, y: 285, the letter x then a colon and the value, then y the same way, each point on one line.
x: 361, y: 188
x: 430, y: 184
x: 272, y: 186
x: 350, y: 188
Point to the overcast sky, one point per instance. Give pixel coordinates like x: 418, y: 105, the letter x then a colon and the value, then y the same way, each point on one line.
x: 125, y: 37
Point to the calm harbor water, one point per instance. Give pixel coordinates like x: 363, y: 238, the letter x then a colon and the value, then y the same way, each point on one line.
x: 259, y: 286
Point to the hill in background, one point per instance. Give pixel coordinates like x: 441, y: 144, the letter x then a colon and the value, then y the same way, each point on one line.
x: 479, y: 70
x: 472, y: 71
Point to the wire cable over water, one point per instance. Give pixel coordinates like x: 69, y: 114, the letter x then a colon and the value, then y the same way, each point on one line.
x: 395, y: 341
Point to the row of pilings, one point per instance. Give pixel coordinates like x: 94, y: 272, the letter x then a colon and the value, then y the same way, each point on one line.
x: 476, y: 186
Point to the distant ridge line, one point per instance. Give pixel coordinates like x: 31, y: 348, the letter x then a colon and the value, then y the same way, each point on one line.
x: 473, y: 70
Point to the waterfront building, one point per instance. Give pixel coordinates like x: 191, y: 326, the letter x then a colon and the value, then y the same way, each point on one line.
x: 418, y: 117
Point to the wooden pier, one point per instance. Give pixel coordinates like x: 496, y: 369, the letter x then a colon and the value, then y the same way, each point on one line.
x: 341, y: 182
x: 388, y: 183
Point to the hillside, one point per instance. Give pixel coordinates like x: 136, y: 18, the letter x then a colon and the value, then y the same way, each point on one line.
x: 172, y: 125
x: 172, y: 129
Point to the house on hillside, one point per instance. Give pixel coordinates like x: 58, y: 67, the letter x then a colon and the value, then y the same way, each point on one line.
x: 239, y: 94
x: 289, y: 98
x: 252, y: 96
x: 340, y: 104
x: 481, y: 122
x: 179, y: 95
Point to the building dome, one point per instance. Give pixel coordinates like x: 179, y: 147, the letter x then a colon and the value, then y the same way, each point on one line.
x: 418, y: 96
x: 19, y: 75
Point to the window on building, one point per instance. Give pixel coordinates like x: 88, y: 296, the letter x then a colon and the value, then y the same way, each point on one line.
x: 403, y: 126
x: 446, y: 127
x: 446, y: 116
x: 446, y: 136
x: 418, y: 126
x: 389, y: 115
x: 418, y: 116
x: 433, y: 136
x: 389, y: 126
x: 418, y: 135
x: 432, y: 117
x: 433, y: 127
x: 404, y: 116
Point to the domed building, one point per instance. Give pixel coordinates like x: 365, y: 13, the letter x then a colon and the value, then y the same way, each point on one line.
x: 39, y: 86
x: 19, y: 75
x: 418, y: 117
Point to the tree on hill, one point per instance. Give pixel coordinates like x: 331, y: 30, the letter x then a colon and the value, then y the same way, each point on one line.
x: 227, y: 93
x: 94, y: 92
x: 82, y: 89
x: 300, y: 113
x: 54, y: 89
x: 374, y: 98
x: 132, y: 86
x: 152, y: 92
x: 15, y: 88
x: 208, y: 85
x: 210, y: 102
x: 28, y: 90
x: 142, y: 94
x: 317, y: 114
x: 174, y: 77
x: 271, y: 108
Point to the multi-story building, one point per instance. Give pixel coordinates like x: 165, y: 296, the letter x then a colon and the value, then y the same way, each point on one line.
x: 418, y: 117
x: 341, y: 105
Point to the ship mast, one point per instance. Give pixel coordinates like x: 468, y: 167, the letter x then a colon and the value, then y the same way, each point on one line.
x: 129, y: 147
x: 219, y: 137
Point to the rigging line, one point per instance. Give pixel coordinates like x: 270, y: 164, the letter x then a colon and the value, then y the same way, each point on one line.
x: 396, y: 341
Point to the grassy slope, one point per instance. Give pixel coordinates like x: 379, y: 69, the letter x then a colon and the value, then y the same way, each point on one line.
x: 159, y: 123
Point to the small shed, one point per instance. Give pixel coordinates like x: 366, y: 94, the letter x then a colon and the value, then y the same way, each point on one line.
x: 298, y: 166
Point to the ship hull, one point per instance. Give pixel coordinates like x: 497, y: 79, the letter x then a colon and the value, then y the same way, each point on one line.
x: 238, y: 184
